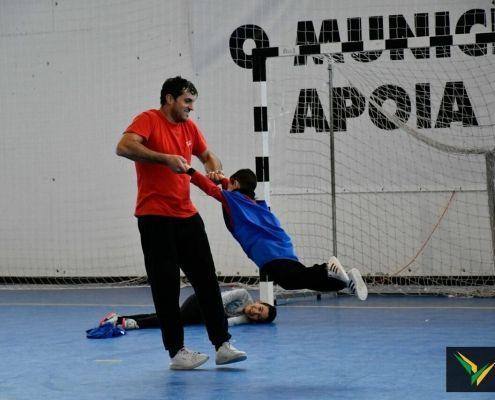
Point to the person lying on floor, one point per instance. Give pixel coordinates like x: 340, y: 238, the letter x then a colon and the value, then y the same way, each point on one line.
x: 240, y: 308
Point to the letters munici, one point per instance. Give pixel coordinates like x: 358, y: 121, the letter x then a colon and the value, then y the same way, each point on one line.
x: 455, y: 105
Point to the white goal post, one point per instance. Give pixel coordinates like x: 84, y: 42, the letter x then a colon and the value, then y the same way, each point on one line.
x: 387, y: 164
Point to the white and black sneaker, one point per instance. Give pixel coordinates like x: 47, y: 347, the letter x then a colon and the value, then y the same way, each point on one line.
x: 228, y: 354
x: 356, y: 285
x: 187, y: 359
x: 335, y: 270
x: 111, y: 317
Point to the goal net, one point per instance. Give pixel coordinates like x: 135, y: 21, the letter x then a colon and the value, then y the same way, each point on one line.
x: 372, y: 139
x: 385, y: 158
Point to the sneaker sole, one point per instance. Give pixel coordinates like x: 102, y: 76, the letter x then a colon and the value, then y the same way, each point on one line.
x: 184, y: 368
x: 361, y: 289
x: 232, y: 361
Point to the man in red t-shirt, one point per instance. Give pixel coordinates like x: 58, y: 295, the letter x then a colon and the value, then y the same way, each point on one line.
x: 161, y: 143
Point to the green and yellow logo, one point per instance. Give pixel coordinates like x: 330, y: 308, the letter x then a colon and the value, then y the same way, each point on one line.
x: 477, y: 375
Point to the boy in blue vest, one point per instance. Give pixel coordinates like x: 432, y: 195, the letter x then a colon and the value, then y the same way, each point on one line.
x: 262, y: 238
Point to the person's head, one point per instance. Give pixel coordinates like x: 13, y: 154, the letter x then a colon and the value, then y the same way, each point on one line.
x: 261, y: 313
x: 177, y: 98
x: 244, y: 181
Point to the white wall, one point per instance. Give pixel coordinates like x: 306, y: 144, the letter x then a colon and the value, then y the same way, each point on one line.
x: 72, y: 76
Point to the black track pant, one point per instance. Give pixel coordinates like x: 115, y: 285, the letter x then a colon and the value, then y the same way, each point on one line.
x: 172, y: 243
x: 292, y: 275
x: 190, y: 314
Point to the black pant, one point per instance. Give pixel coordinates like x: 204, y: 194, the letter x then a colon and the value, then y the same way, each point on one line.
x: 292, y: 275
x: 190, y: 314
x: 169, y: 244
x: 144, y: 321
x: 190, y: 311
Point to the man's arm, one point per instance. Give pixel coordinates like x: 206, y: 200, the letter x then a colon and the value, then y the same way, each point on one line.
x: 131, y: 146
x: 241, y: 319
x: 237, y: 295
x: 241, y: 295
x: 210, y: 161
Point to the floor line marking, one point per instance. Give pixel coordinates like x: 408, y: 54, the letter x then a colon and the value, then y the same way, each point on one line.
x: 397, y: 307
x: 280, y: 305
x: 74, y: 305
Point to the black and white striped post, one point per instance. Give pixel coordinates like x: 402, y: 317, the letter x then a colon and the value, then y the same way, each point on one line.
x: 262, y: 162
x: 260, y: 56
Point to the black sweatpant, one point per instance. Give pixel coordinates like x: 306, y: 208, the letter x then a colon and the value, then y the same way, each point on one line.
x: 292, y: 275
x: 190, y: 314
x: 172, y: 243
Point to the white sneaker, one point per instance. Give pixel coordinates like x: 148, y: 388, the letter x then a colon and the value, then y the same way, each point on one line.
x: 335, y: 270
x: 357, y: 285
x: 187, y: 359
x: 110, y: 317
x: 129, y: 324
x: 228, y: 354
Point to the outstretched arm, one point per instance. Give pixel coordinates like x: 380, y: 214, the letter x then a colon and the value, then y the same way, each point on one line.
x: 205, y: 184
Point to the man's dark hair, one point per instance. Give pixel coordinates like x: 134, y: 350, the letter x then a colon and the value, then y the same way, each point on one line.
x: 176, y: 86
x: 272, y: 313
x: 247, y: 181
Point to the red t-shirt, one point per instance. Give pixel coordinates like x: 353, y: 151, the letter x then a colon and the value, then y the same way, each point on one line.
x: 161, y: 191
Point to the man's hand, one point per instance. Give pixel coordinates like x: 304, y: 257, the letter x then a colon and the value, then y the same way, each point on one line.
x: 177, y: 164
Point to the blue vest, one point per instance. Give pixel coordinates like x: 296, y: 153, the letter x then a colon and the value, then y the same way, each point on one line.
x: 257, y: 229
